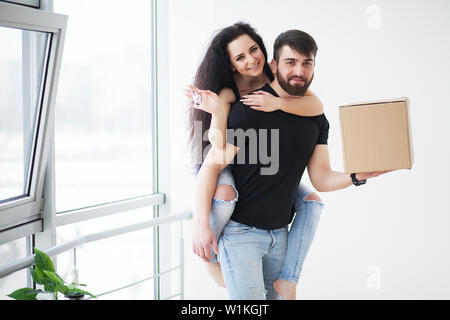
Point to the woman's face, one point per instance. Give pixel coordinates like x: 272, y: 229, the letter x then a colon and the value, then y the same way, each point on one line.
x: 246, y: 56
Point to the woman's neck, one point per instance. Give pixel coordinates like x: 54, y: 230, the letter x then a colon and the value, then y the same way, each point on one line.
x: 246, y: 84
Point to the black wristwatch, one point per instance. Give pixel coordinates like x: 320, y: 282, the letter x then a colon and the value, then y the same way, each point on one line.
x: 355, y: 181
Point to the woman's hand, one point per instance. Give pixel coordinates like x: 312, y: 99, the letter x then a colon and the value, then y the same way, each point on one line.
x: 202, y: 240
x: 261, y: 101
x: 207, y: 100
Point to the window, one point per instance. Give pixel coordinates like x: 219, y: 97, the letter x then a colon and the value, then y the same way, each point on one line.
x: 103, y: 127
x: 32, y: 43
x: 100, y: 140
x: 11, y: 252
x: 104, y: 142
x: 28, y: 3
x: 19, y: 101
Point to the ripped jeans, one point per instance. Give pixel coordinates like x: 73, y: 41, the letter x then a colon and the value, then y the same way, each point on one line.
x: 301, y: 232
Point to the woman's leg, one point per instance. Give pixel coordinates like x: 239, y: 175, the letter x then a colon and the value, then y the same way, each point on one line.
x: 308, y: 207
x: 223, y: 203
x: 222, y: 207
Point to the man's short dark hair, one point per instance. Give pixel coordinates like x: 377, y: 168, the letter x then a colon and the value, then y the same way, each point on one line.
x: 297, y: 40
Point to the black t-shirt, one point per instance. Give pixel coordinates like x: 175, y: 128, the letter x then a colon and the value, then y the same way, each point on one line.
x: 267, y: 180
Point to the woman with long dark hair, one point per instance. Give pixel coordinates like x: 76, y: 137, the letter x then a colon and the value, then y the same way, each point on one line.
x: 235, y: 65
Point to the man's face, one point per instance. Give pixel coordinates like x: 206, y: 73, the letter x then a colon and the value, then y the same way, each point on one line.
x: 294, y: 71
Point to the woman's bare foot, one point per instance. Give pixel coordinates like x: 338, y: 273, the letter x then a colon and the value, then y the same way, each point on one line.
x: 286, y: 289
x: 216, y: 273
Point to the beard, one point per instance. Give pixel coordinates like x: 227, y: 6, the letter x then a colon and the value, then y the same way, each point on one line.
x: 294, y: 89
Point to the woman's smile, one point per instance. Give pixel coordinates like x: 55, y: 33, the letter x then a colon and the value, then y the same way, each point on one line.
x: 255, y: 67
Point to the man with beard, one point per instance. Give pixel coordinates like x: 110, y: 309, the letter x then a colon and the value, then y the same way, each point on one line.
x: 254, y: 242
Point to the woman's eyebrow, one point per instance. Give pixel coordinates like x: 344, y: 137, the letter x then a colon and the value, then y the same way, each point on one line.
x: 241, y: 54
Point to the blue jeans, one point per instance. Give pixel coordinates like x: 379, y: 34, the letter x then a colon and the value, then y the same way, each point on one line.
x: 302, y: 228
x: 251, y: 260
x: 301, y: 233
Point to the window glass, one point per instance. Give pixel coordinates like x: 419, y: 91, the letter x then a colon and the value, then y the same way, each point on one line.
x: 124, y: 261
x: 103, y: 139
x: 22, y: 63
x: 9, y: 253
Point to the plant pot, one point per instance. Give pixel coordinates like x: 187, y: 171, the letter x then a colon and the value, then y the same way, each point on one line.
x: 74, y: 296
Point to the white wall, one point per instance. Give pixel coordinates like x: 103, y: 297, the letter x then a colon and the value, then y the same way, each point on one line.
x: 388, y: 239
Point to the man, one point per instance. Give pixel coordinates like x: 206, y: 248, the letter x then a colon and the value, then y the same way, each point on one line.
x: 253, y: 245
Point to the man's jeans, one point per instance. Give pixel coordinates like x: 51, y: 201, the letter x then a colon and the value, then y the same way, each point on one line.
x: 251, y: 260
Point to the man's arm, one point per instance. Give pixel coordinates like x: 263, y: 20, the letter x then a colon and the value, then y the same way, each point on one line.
x: 324, y: 179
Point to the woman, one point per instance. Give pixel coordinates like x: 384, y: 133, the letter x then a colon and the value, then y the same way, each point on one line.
x: 235, y: 65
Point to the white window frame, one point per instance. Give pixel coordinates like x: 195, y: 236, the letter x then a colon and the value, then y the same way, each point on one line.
x: 28, y: 3
x: 22, y: 217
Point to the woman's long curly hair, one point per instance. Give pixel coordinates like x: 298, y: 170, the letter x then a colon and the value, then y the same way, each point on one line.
x: 214, y: 74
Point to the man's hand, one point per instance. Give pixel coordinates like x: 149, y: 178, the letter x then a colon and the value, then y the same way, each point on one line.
x: 202, y: 241
x: 367, y: 175
x: 261, y: 101
x: 324, y: 179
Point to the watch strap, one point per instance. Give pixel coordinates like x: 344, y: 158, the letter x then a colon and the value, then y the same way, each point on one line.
x: 355, y: 181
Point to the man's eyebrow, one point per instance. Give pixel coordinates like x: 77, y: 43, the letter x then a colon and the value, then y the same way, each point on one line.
x: 295, y: 59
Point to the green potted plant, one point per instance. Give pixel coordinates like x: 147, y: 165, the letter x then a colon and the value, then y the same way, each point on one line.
x: 44, y: 274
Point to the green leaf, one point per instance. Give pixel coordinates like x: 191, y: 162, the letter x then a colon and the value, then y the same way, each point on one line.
x: 52, y: 277
x: 25, y: 294
x: 51, y: 281
x: 36, y: 275
x: 62, y: 288
x: 74, y: 285
x: 43, y: 261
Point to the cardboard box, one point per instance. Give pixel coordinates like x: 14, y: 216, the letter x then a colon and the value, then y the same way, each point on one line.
x: 376, y: 135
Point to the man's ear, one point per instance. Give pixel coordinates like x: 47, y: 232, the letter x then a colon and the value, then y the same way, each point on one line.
x: 273, y: 66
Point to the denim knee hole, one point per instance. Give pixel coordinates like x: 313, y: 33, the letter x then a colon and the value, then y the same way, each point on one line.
x: 228, y: 192
x: 314, y: 197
